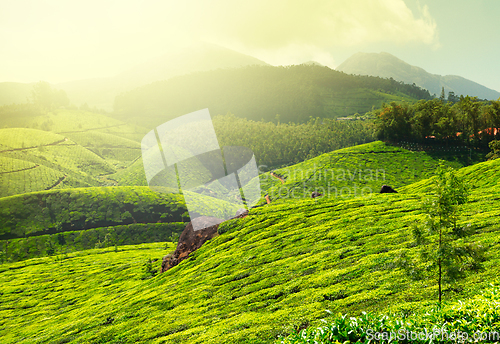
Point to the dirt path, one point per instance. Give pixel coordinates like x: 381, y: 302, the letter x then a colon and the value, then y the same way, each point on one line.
x: 278, y: 177
x: 59, y: 181
x: 82, y: 131
x: 21, y: 170
x: 33, y: 147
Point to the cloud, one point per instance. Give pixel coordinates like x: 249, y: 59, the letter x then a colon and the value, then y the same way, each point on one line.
x: 64, y: 40
x: 264, y: 24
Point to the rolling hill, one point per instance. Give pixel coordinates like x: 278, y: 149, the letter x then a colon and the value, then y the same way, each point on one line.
x: 295, y: 93
x: 65, y: 148
x: 202, y: 57
x: 38, y: 160
x: 266, y: 275
x: 360, y: 170
x: 388, y: 66
x: 59, y: 139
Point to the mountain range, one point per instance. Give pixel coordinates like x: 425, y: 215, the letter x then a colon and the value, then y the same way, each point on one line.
x: 386, y: 65
x: 101, y: 92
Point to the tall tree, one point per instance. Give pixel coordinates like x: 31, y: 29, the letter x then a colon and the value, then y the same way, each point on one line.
x: 469, y: 109
x: 495, y: 150
x: 492, y: 114
x: 394, y: 122
x: 445, y: 253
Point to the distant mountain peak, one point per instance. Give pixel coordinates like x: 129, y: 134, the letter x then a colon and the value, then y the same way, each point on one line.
x: 194, y: 58
x: 386, y: 65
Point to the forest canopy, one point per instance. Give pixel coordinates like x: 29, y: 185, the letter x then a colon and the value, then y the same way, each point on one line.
x: 469, y: 121
x: 261, y: 92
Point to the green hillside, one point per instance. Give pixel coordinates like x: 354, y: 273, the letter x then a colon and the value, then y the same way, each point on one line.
x: 483, y: 175
x: 35, y: 224
x: 85, y: 208
x: 132, y: 175
x: 66, y: 121
x: 65, y: 148
x: 21, y: 176
x: 37, y: 160
x: 264, y: 276
x: 43, y: 223
x: 71, y: 121
x: 118, y: 151
x: 357, y: 171
x: 261, y: 92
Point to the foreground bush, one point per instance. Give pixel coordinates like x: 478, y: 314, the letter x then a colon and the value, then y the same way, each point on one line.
x: 475, y: 320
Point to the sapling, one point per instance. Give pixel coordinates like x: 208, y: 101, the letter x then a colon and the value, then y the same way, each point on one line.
x: 444, y: 252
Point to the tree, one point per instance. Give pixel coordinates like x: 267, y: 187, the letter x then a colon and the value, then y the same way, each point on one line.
x: 445, y: 253
x: 492, y: 114
x: 394, y: 122
x: 495, y: 150
x: 452, y: 98
x: 469, y: 110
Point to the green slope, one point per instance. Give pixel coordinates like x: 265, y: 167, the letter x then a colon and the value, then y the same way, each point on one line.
x: 74, y: 149
x: 67, y: 121
x: 84, y: 208
x: 21, y: 176
x: 483, y: 175
x: 133, y: 175
x: 262, y: 92
x: 119, y: 151
x: 15, y: 138
x: 38, y: 160
x: 265, y: 275
x: 355, y: 171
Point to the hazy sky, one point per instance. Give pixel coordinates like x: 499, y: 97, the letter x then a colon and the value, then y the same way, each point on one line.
x: 64, y: 40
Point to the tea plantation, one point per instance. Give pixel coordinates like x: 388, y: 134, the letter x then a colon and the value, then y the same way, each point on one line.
x: 281, y: 269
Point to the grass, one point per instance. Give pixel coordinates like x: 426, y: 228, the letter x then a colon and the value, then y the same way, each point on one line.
x: 84, y: 208
x: 132, y: 175
x: 70, y: 148
x: 55, y: 162
x: 14, y: 138
x: 355, y: 171
x: 58, y: 162
x: 21, y: 176
x: 117, y: 150
x: 40, y: 300
x: 276, y: 271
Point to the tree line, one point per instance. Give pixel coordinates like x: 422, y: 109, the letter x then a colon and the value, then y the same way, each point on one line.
x: 468, y: 121
x: 261, y: 92
x: 277, y: 144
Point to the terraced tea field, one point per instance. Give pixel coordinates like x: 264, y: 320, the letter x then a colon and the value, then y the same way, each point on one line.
x: 264, y: 276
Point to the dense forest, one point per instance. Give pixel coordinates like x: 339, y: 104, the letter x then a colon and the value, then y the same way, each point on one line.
x: 276, y: 144
x: 468, y: 121
x: 296, y: 93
